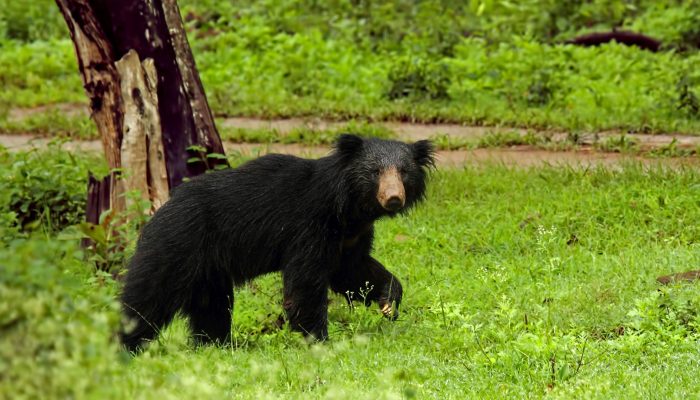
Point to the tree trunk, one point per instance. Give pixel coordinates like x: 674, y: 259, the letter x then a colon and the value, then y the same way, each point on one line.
x: 101, y: 82
x: 146, y: 97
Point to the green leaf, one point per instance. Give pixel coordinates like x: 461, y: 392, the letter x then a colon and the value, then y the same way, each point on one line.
x: 95, y: 232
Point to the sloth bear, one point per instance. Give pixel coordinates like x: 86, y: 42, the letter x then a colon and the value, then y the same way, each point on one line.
x: 310, y: 219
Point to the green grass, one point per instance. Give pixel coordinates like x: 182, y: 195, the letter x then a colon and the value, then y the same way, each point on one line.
x: 518, y: 283
x: 51, y: 123
x: 40, y: 72
x: 493, y: 139
x: 304, y: 135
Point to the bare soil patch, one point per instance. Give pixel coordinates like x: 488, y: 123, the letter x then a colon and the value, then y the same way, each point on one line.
x: 415, y: 131
x: 517, y: 156
x: 408, y: 130
x: 522, y: 156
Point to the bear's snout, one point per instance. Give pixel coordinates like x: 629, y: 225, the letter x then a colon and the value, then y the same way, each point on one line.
x: 391, y: 194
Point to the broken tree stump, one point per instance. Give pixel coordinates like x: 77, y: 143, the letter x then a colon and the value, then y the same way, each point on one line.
x: 149, y: 115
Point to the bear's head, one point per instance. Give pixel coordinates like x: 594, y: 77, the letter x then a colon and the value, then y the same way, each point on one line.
x: 384, y: 177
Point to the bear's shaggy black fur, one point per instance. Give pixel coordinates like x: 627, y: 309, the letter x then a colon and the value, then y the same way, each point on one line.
x: 311, y: 219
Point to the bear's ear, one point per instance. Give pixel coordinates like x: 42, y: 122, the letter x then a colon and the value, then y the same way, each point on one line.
x: 424, y: 153
x: 349, y: 145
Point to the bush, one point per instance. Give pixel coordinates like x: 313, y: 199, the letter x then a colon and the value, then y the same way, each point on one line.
x: 418, y: 79
x: 676, y: 26
x: 671, y: 312
x: 40, y: 72
x: 488, y: 62
x: 44, y: 189
x: 31, y: 20
x: 57, y: 324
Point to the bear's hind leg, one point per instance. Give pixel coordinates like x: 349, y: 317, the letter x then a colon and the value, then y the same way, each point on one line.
x: 144, y: 322
x: 147, y: 308
x: 209, y: 311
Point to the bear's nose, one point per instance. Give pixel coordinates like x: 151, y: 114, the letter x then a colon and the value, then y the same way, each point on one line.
x: 393, y: 204
x: 391, y: 194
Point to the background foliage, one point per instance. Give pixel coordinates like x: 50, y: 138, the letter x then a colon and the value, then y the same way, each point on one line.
x: 478, y: 62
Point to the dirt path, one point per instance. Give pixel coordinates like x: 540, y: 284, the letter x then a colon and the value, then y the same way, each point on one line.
x: 518, y: 156
x: 523, y: 156
x: 415, y: 131
x: 404, y: 130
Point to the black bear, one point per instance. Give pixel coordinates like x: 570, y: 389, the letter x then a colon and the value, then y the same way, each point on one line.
x: 311, y: 219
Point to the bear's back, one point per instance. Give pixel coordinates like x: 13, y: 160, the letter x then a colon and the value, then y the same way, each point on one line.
x: 269, y: 193
x: 270, y: 174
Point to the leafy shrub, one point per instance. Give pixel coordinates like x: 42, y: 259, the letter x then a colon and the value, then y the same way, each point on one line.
x: 51, y: 123
x: 488, y: 62
x: 31, y: 20
x: 8, y: 226
x: 540, y: 91
x: 671, y: 312
x: 433, y: 26
x: 675, y: 24
x: 44, y: 188
x: 108, y: 242
x: 687, y: 99
x: 57, y: 324
x: 40, y: 72
x: 612, y: 85
x: 419, y: 79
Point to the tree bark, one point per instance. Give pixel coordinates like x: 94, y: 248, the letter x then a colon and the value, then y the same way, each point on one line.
x: 142, y: 147
x: 203, y: 120
x: 150, y: 107
x: 101, y: 82
x: 141, y: 25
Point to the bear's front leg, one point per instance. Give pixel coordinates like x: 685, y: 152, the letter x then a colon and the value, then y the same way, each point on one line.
x: 306, y: 301
x: 368, y: 280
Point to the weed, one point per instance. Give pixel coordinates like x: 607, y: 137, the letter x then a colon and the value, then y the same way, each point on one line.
x: 43, y: 189
x: 618, y: 144
x: 418, y: 79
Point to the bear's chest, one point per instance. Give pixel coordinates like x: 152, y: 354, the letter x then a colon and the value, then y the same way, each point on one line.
x: 353, y: 234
